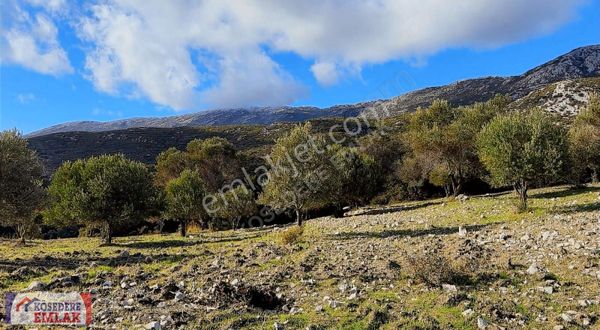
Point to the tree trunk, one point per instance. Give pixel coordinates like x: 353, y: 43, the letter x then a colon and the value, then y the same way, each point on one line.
x: 20, y: 230
x: 298, y: 217
x: 521, y: 189
x: 447, y: 190
x: 456, y: 185
x: 183, y: 225
x: 107, y: 234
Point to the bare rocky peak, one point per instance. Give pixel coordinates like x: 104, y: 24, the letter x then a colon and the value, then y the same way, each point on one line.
x: 580, y: 63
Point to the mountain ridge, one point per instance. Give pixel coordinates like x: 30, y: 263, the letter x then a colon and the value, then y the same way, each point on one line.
x: 581, y: 62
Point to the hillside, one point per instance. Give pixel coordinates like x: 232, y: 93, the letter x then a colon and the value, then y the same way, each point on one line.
x: 144, y: 144
x: 564, y: 98
x: 222, y: 117
x: 535, y: 270
x: 580, y: 63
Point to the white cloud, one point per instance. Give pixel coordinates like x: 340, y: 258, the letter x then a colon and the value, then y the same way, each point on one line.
x: 326, y: 73
x: 181, y: 53
x: 54, y: 6
x: 32, y: 42
x: 25, y: 98
x: 252, y: 78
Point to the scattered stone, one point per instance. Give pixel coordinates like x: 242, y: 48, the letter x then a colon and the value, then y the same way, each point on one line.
x: 179, y: 296
x: 152, y: 326
x: 333, y: 304
x: 36, y: 286
x: 533, y: 269
x: 482, y: 323
x: 449, y: 288
x: 467, y: 313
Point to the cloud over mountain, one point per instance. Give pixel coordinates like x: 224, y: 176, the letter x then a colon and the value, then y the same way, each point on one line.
x: 221, y: 53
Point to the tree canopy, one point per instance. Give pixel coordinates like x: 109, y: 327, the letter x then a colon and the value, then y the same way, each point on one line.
x: 21, y: 190
x: 184, y: 199
x: 521, y: 149
x: 104, y: 191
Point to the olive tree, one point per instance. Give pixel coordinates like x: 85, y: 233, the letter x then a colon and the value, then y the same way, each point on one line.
x: 234, y: 205
x: 215, y: 159
x: 353, y: 178
x: 521, y: 149
x: 445, y: 136
x: 300, y: 172
x: 21, y: 190
x: 184, y: 199
x: 169, y: 164
x: 106, y: 191
x: 584, y: 142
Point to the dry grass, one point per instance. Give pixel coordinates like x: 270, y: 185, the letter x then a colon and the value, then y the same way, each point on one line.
x: 292, y: 235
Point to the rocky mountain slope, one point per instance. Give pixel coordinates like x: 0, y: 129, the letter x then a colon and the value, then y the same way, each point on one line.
x: 580, y: 63
x: 565, y: 98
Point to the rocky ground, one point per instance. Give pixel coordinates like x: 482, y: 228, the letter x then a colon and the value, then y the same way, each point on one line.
x: 468, y: 263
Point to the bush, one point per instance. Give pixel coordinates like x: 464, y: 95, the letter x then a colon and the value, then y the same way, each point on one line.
x: 462, y: 263
x: 432, y: 269
x: 291, y: 235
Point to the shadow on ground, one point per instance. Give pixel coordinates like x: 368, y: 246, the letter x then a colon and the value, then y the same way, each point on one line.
x: 566, y: 192
x: 588, y: 207
x: 392, y: 209
x: 69, y: 263
x: 405, y: 233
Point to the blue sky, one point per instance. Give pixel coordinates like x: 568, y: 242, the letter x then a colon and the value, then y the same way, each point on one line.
x: 63, y: 61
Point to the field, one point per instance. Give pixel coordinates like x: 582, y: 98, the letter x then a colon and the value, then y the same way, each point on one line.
x: 486, y: 265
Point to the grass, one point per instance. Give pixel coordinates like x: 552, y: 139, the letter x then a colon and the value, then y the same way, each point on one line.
x: 344, y: 250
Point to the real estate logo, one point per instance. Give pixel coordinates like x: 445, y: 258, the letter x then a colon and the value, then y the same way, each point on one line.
x: 49, y: 308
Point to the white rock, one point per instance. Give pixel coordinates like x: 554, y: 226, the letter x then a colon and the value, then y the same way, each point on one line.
x: 482, y: 323
x: 449, y: 287
x: 566, y: 317
x: 179, y: 296
x: 152, y: 326
x: 467, y: 312
x: 36, y: 286
x: 533, y: 269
